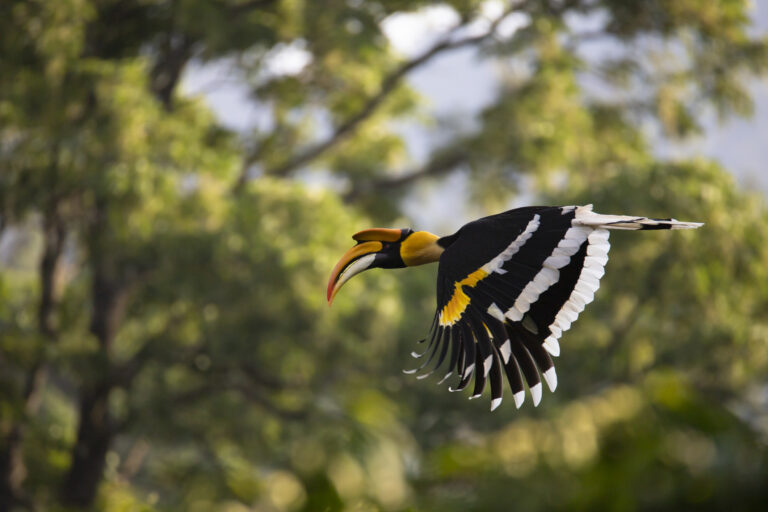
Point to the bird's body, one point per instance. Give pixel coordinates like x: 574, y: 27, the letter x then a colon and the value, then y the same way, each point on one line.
x: 508, y: 286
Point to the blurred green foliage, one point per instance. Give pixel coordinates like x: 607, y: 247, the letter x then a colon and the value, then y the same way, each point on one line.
x: 164, y: 339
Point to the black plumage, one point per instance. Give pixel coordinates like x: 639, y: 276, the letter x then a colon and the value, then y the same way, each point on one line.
x: 509, y: 284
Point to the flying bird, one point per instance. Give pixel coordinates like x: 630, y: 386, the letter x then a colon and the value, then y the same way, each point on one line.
x: 508, y: 286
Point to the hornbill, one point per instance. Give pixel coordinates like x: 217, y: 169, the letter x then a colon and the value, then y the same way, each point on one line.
x: 508, y: 286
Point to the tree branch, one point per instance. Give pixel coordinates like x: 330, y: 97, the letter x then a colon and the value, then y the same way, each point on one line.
x: 388, y: 85
x: 175, y: 51
x: 169, y: 66
x: 53, y: 234
x: 441, y: 163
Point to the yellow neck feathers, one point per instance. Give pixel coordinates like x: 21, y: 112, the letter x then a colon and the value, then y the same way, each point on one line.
x: 419, y: 248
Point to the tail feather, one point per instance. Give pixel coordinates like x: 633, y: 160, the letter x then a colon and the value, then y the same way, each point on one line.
x: 586, y: 217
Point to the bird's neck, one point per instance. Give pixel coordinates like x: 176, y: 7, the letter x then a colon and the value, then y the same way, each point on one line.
x: 420, y: 248
x: 446, y: 241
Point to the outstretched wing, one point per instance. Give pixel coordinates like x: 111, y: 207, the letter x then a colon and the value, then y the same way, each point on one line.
x: 508, y: 286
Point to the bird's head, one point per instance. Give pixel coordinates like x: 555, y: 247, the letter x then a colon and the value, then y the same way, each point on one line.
x: 383, y: 248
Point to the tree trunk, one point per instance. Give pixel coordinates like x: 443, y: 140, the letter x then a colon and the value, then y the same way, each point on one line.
x: 94, y: 436
x: 13, y: 471
x: 10, y: 464
x: 95, y: 429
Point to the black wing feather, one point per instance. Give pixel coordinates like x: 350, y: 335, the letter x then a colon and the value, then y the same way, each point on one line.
x: 506, y: 305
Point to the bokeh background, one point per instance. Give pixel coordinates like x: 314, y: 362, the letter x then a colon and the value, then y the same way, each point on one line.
x: 178, y: 177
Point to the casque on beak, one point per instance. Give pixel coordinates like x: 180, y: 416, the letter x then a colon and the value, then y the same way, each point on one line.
x: 360, y: 257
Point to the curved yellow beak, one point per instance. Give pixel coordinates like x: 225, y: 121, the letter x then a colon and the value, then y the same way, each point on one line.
x: 354, y: 261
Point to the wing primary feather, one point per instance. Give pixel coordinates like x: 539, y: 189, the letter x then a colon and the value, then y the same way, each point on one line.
x: 537, y: 351
x: 543, y: 360
x: 432, y: 337
x: 451, y: 339
x: 475, y: 320
x: 419, y: 355
x: 469, y: 349
x: 463, y: 380
x: 436, y: 344
x: 479, y: 377
x: 433, y: 331
x: 515, y: 381
x: 497, y: 381
x: 492, y: 330
x: 455, y: 351
x: 461, y: 360
x: 467, y: 357
x: 432, y: 327
x: 526, y: 363
x: 498, y: 336
x: 462, y: 384
x: 445, y: 342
